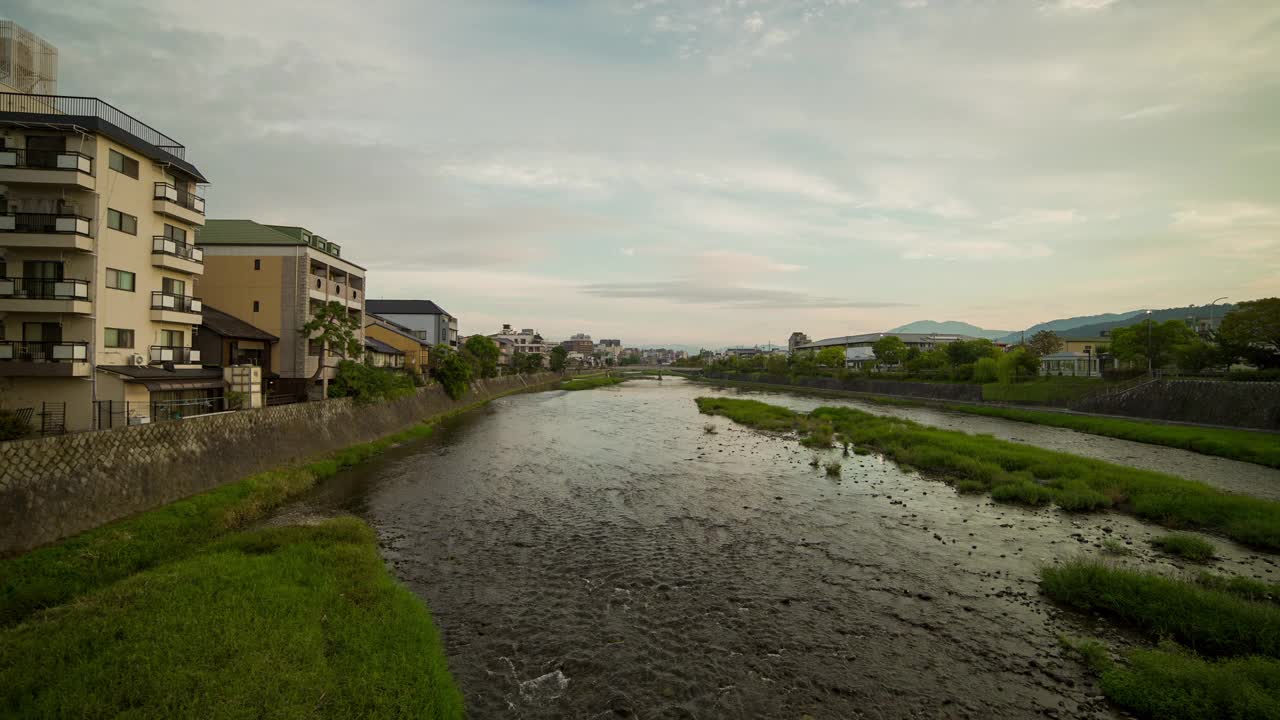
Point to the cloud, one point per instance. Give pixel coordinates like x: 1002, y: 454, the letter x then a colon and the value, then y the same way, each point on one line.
x: 1150, y: 111
x: 1038, y: 218
x: 728, y: 262
x: 754, y: 23
x: 694, y: 292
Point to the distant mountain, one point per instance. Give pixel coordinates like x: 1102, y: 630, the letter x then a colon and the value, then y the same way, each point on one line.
x: 1089, y: 326
x: 949, y: 327
x: 1062, y: 325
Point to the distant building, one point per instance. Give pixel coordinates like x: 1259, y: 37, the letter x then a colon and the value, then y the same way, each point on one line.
x: 797, y: 339
x: 857, y: 348
x: 579, y: 343
x: 527, y: 340
x: 742, y: 352
x: 417, y: 352
x: 381, y: 355
x: 424, y: 319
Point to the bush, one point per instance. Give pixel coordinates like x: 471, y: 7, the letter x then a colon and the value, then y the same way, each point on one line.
x: 452, y: 371
x: 985, y: 370
x: 11, y: 427
x: 368, y: 384
x: 833, y: 469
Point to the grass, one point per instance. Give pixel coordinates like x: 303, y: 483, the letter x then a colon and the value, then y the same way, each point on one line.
x: 589, y: 383
x: 286, y: 622
x: 52, y: 575
x: 1044, y: 390
x: 1247, y: 588
x: 1035, y: 475
x: 1253, y: 447
x: 709, y: 428
x: 1112, y: 546
x: 1169, y: 682
x: 1209, y: 621
x: 1186, y: 546
x: 833, y: 469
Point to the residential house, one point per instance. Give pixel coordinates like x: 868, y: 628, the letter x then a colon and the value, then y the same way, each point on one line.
x: 275, y: 277
x: 1078, y: 356
x: 97, y: 266
x: 424, y: 319
x: 417, y: 352
x: 527, y: 340
x: 227, y: 340
x: 381, y: 355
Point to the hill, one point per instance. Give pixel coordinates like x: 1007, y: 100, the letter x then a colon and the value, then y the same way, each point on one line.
x: 1181, y: 313
x: 949, y: 327
x: 1073, y: 324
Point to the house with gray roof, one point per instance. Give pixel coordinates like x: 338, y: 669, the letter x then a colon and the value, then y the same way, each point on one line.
x: 425, y: 319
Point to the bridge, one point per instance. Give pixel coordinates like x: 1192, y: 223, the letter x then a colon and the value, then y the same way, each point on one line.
x: 659, y: 369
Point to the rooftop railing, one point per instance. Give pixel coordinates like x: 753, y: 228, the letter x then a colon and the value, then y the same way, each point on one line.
x: 90, y: 107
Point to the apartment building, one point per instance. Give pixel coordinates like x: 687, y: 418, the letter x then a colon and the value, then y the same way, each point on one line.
x: 579, y: 343
x: 424, y: 319
x: 526, y: 340
x: 274, y: 277
x: 98, y: 211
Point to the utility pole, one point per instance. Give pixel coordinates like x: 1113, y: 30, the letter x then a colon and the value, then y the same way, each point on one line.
x: 1150, y: 368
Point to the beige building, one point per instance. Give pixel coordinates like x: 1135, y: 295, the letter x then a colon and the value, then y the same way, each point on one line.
x: 274, y: 277
x: 98, y: 213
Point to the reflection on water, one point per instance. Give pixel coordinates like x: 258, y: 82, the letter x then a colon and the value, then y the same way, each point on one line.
x: 597, y: 555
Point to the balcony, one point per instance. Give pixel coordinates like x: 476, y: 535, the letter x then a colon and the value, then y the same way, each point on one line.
x: 20, y: 358
x: 167, y: 252
x: 47, y: 167
x: 176, y: 355
x: 167, y: 307
x: 56, y: 231
x: 175, y: 202
x: 41, y: 295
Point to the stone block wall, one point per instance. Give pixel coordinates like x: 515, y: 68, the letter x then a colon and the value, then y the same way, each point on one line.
x: 1212, y: 402
x: 924, y: 390
x: 54, y: 487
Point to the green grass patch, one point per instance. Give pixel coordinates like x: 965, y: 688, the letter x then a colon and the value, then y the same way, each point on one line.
x: 52, y: 575
x: 1185, y: 545
x: 1171, y: 683
x: 1044, y: 390
x: 1253, y: 447
x: 1112, y: 546
x: 1245, y: 587
x: 1036, y: 475
x: 833, y: 469
x: 588, y: 383
x: 286, y: 622
x: 1209, y: 621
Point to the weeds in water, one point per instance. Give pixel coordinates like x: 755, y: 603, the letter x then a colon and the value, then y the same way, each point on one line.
x: 1210, y: 621
x: 861, y: 451
x: 846, y: 449
x: 1092, y: 651
x: 1184, y: 545
x: 1112, y: 546
x: 1016, y: 472
x: 709, y: 429
x: 970, y: 487
x: 820, y: 436
x: 815, y: 461
x: 833, y: 469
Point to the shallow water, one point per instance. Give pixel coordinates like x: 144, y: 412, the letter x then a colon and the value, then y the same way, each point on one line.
x: 598, y: 555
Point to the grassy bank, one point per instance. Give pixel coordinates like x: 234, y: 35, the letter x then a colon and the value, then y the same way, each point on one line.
x: 588, y: 383
x: 1044, y: 390
x: 52, y: 575
x: 1015, y: 472
x: 284, y: 622
x: 1253, y: 447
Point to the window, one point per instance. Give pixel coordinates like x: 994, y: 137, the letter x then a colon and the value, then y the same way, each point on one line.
x: 120, y: 279
x: 257, y: 263
x: 255, y: 306
x: 314, y: 347
x: 118, y: 338
x: 173, y: 287
x: 124, y: 222
x: 175, y: 233
x: 171, y: 338
x: 123, y: 164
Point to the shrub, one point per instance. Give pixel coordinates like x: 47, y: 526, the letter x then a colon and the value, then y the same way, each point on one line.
x: 971, y: 487
x: 984, y: 371
x: 12, y: 427
x: 1184, y: 545
x: 833, y: 469
x: 367, y: 384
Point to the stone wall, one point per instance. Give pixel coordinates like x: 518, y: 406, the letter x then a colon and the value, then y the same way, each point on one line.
x: 1211, y: 402
x: 54, y: 487
x: 924, y: 390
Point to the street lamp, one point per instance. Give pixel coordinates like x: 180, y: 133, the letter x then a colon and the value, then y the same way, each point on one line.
x: 1215, y: 302
x: 1150, y: 369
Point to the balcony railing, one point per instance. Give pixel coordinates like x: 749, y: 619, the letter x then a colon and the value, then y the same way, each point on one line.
x: 90, y: 107
x: 43, y: 289
x: 177, y: 248
x: 45, y: 223
x: 180, y: 355
x: 161, y: 300
x: 33, y: 159
x: 175, y: 194
x: 43, y: 351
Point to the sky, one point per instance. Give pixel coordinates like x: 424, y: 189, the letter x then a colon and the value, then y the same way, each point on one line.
x: 711, y: 173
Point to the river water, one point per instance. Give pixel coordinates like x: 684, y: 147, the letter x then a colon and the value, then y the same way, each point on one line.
x: 597, y: 554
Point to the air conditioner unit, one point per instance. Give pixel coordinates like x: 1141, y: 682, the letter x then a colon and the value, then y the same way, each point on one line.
x: 138, y: 360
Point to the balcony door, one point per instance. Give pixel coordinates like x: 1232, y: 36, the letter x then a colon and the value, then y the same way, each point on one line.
x: 41, y: 332
x: 41, y: 277
x: 43, y: 150
x: 174, y: 287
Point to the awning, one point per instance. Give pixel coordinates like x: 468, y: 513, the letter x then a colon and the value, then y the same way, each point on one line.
x: 210, y: 384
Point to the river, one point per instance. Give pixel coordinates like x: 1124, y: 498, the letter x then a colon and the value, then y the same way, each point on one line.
x: 597, y: 554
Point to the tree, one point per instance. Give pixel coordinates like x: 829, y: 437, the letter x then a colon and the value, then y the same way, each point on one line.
x: 986, y: 370
x: 451, y: 370
x: 523, y: 362
x: 337, y: 332
x: 932, y: 361
x: 1045, y: 342
x: 1252, y: 331
x: 831, y: 357
x: 559, y: 355
x: 1149, y: 342
x: 964, y: 352
x: 1196, y: 355
x: 485, y: 352
x: 804, y: 362
x: 776, y: 365
x: 890, y: 350
x: 1014, y: 364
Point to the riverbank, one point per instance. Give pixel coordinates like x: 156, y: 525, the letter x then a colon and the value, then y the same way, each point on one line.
x: 1258, y: 447
x: 1025, y: 474
x: 591, y: 382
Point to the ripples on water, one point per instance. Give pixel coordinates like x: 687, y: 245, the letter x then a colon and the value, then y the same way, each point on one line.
x: 598, y: 555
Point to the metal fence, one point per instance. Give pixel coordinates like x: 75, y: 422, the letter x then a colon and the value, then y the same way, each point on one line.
x: 120, y: 413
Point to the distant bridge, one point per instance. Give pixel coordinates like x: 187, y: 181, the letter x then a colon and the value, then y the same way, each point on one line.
x: 662, y: 369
